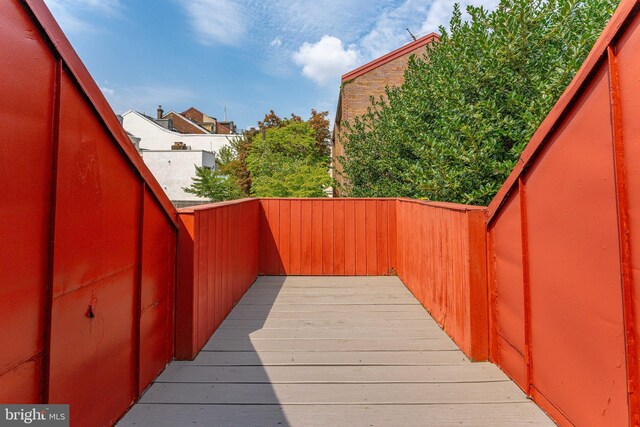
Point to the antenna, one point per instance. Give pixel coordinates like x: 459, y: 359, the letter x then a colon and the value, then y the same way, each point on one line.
x: 225, y: 113
x: 411, y: 34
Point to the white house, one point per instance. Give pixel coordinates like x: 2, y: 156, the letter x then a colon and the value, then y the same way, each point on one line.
x: 155, y: 137
x: 174, y: 169
x: 173, y: 156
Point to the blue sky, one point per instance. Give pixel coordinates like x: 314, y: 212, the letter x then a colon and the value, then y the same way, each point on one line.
x: 248, y: 55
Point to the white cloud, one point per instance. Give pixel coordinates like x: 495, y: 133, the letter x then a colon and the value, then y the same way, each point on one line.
x: 390, y: 30
x: 277, y: 42
x: 74, y: 16
x: 372, y: 35
x: 216, y: 21
x: 107, y: 91
x: 326, y: 60
x: 440, y: 12
x: 310, y: 19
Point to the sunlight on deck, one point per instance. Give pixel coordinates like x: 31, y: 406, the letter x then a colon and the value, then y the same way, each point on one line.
x: 332, y: 351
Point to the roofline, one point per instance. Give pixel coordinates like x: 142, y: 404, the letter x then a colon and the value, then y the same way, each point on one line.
x: 192, y: 108
x: 390, y: 56
x: 178, y: 134
x: 338, y: 118
x: 150, y: 150
x: 191, y: 122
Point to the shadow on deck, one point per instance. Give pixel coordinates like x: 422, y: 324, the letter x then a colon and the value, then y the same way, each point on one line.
x: 332, y: 351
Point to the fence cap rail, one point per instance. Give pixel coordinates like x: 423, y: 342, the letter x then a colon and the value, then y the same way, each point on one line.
x: 191, y: 209
x: 336, y: 199
x: 443, y: 205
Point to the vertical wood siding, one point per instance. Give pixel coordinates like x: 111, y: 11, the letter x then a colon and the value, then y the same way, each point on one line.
x: 327, y: 237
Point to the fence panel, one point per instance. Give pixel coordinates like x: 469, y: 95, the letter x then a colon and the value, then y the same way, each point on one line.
x: 218, y: 248
x: 330, y: 237
x: 442, y: 260
x: 563, y: 231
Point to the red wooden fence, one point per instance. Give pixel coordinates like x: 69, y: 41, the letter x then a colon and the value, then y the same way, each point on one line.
x: 564, y: 253
x: 437, y: 249
x: 441, y: 259
x: 217, y: 263
x: 87, y: 272
x: 341, y: 237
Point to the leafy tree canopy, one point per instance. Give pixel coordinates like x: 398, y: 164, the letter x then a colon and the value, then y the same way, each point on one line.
x: 286, y: 160
x: 282, y: 157
x: 213, y: 185
x: 455, y: 129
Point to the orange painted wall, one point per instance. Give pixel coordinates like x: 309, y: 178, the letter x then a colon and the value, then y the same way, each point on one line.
x: 217, y: 263
x: 564, y: 248
x: 341, y: 237
x: 87, y: 272
x: 441, y: 260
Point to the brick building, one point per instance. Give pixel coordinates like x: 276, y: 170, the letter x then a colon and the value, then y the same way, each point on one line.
x: 371, y: 79
x: 193, y: 121
x: 181, y: 124
x: 203, y: 120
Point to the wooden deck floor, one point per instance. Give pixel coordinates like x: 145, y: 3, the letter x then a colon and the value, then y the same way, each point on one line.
x: 322, y: 351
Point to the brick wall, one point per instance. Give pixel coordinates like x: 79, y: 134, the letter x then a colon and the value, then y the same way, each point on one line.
x: 181, y: 125
x: 356, y: 94
x: 225, y: 127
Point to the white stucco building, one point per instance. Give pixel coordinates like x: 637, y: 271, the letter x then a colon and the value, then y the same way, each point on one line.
x: 174, y: 168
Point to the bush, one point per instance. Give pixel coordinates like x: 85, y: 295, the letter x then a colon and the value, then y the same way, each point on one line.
x: 455, y: 129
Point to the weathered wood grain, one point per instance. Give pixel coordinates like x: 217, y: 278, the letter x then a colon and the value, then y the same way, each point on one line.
x: 339, y: 351
x: 270, y: 323
x: 335, y: 394
x: 291, y: 344
x: 332, y: 374
x: 329, y: 333
x: 478, y: 415
x: 327, y: 358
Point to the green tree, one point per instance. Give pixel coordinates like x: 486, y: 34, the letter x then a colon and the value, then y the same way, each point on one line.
x: 455, y: 129
x: 232, y: 162
x: 213, y: 185
x: 285, y: 160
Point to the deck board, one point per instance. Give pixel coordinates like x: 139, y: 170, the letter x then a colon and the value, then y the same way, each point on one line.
x: 332, y: 351
x: 479, y: 415
x: 328, y: 358
x: 360, y: 344
x: 189, y: 373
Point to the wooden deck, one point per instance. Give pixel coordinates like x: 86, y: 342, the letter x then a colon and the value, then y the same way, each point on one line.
x: 327, y: 351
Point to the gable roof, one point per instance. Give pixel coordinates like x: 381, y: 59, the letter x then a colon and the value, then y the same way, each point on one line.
x: 408, y: 48
x: 151, y: 122
x: 194, y: 114
x: 186, y: 123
